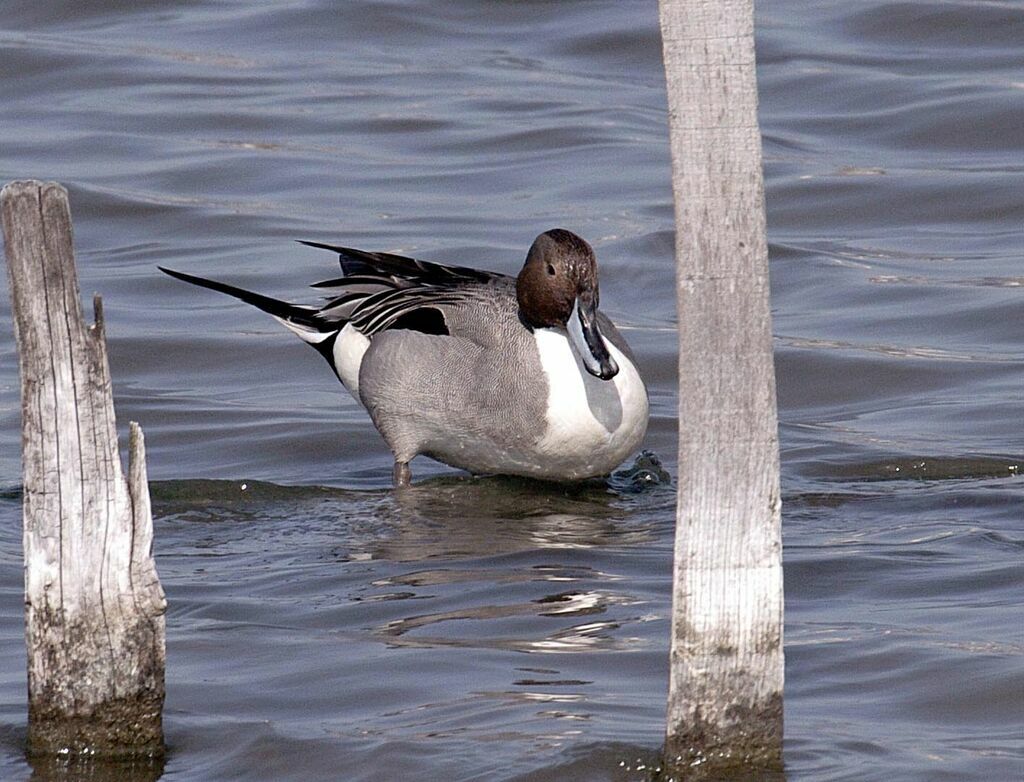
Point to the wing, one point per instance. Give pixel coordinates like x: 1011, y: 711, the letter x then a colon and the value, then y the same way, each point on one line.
x: 382, y: 291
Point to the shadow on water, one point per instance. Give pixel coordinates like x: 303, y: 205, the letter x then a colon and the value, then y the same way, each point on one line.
x: 928, y: 468
x: 645, y: 472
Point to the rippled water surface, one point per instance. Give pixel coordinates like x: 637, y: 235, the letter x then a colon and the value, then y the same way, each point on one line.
x: 321, y: 627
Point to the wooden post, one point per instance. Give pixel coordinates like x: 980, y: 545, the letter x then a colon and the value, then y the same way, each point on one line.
x: 94, y: 605
x: 726, y: 672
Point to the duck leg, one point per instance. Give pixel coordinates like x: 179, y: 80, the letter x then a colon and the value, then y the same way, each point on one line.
x: 402, y: 475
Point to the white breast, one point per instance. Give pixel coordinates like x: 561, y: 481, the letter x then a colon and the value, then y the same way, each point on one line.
x: 592, y: 424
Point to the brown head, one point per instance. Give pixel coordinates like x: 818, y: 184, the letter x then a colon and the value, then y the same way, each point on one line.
x: 557, y: 288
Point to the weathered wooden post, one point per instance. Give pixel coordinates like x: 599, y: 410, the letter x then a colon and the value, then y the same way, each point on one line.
x: 94, y: 606
x: 726, y: 673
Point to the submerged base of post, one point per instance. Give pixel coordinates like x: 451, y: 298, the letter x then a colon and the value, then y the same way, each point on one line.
x: 747, y: 739
x: 115, y: 730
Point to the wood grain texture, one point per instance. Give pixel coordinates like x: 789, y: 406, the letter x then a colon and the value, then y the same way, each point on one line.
x: 94, y: 605
x: 726, y: 674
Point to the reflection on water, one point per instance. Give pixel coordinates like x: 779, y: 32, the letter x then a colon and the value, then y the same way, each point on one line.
x: 498, y: 518
x: 446, y: 570
x: 487, y: 518
x: 91, y: 770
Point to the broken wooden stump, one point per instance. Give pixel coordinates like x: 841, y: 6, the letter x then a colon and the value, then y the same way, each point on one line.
x: 726, y: 665
x: 94, y: 607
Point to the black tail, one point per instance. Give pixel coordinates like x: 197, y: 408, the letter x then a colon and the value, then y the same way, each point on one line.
x: 303, y: 321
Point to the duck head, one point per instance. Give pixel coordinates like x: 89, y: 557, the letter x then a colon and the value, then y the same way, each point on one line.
x: 557, y: 288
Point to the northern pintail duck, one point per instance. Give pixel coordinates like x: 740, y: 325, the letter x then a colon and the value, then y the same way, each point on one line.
x: 479, y: 370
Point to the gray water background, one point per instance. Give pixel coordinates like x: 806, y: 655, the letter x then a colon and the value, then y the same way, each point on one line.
x: 494, y: 629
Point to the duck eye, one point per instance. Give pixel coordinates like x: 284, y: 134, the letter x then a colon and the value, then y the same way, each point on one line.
x: 551, y: 270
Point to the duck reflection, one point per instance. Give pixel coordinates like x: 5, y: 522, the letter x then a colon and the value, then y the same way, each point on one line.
x: 491, y: 517
x: 455, y: 516
x: 506, y: 563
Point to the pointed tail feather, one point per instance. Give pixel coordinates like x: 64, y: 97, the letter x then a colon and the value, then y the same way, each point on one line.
x: 303, y: 321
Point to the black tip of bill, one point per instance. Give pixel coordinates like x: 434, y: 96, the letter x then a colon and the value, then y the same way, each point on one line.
x: 586, y: 340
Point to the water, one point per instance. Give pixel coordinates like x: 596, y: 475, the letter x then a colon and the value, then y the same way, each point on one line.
x: 496, y: 629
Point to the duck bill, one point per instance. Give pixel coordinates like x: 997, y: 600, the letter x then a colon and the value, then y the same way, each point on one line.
x: 586, y: 340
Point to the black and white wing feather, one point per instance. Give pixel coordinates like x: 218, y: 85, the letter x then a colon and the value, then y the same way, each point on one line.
x: 378, y: 291
x: 381, y: 291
